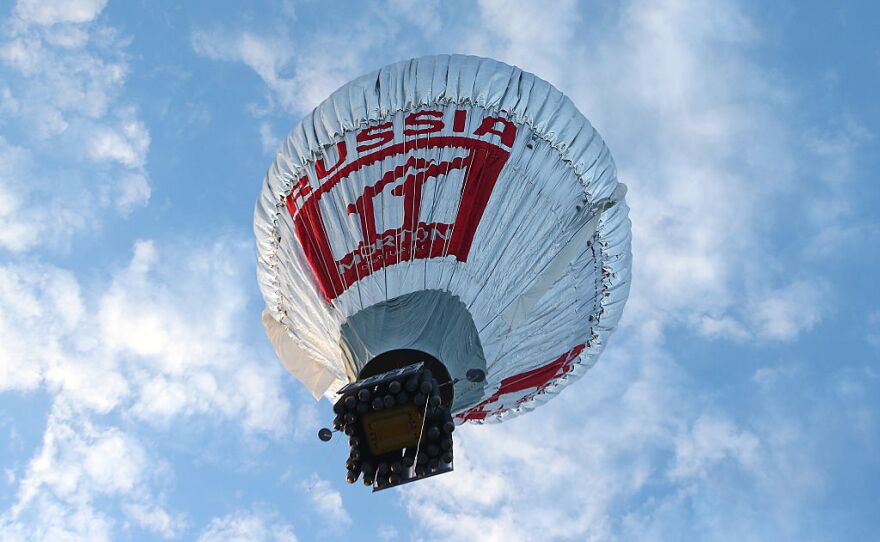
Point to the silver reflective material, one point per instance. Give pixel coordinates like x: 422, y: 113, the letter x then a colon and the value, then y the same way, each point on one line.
x: 451, y: 204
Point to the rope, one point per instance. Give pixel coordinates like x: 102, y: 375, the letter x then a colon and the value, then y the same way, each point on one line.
x: 421, y: 432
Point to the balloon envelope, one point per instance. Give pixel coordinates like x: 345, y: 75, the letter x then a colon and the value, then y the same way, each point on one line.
x: 451, y: 205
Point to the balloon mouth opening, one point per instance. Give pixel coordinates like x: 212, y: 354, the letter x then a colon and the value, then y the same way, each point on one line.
x: 403, y: 357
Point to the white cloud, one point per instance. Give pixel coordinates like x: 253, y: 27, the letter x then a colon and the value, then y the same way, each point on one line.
x: 528, y: 35
x: 268, y: 139
x: 48, y: 341
x: 155, y: 519
x: 63, y: 97
x: 132, y: 191
x: 55, y: 521
x: 47, y: 12
x: 68, y: 36
x: 722, y: 327
x: 302, y: 73
x: 835, y: 217
x: 163, y: 340
x: 37, y: 213
x: 8, y: 104
x: 193, y: 346
x: 161, y: 344
x: 80, y: 79
x: 307, y: 421
x: 78, y: 464
x: 421, y: 14
x: 694, y: 221
x: 785, y: 313
x: 780, y: 314
x: 17, y: 231
x: 708, y: 442
x: 39, y: 303
x: 244, y: 526
x: 767, y: 377
x: 387, y: 532
x: 126, y: 144
x: 168, y: 322
x: 268, y: 57
x: 326, y: 501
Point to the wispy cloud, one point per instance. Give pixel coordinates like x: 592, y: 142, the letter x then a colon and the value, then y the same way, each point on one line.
x: 327, y: 502
x: 300, y: 73
x: 59, y: 11
x: 64, y: 74
x: 785, y: 313
x: 138, y: 349
x: 79, y: 464
x: 248, y: 526
x: 189, y: 353
x: 269, y: 57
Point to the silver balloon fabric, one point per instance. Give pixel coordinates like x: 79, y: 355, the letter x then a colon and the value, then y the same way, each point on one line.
x: 449, y: 204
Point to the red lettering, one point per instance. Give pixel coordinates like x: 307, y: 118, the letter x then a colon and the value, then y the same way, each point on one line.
x: 507, y: 133
x: 459, y: 120
x: 320, y: 168
x: 380, y: 134
x: 481, y: 166
x: 419, y: 119
x: 301, y: 188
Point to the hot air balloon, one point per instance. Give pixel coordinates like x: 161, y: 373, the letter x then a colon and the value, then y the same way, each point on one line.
x: 441, y: 241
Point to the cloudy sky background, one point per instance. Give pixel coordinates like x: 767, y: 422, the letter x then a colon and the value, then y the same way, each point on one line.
x: 140, y: 400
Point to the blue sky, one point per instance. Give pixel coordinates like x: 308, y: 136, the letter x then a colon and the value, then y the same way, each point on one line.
x: 738, y: 400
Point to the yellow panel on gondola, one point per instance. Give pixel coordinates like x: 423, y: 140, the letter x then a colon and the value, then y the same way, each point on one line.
x: 392, y: 429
